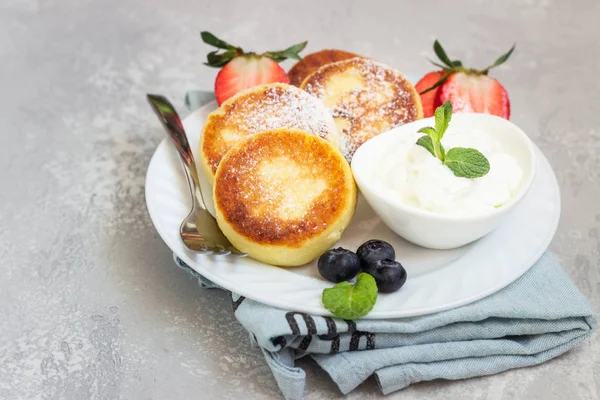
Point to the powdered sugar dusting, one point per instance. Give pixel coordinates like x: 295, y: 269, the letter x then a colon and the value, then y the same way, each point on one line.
x: 279, y: 106
x: 282, y: 187
x: 263, y: 108
x: 373, y: 99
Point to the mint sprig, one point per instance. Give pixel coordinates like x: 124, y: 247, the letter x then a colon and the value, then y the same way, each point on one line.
x: 463, y: 162
x: 349, y: 301
x: 468, y: 163
x: 425, y: 141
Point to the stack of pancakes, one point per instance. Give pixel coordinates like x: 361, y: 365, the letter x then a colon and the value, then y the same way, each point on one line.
x: 278, y: 155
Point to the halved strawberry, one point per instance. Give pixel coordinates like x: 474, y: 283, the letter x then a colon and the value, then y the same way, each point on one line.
x: 243, y: 70
x: 468, y: 89
x: 471, y: 92
x: 430, y: 99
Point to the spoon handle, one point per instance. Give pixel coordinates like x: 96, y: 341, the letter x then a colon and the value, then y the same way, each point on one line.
x: 172, y: 123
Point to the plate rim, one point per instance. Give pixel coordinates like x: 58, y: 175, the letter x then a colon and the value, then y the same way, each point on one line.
x: 283, y: 304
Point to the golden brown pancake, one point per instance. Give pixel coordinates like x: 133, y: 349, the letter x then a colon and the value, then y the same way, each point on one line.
x: 284, y: 196
x: 365, y: 97
x: 257, y: 109
x: 314, y: 61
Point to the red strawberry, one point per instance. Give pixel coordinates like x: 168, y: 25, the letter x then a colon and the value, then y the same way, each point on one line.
x: 469, y: 90
x: 243, y: 70
x: 475, y: 93
x: 430, y: 99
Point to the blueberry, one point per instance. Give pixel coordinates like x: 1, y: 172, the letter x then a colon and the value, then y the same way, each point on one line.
x: 389, y: 275
x: 338, y: 265
x: 374, y: 250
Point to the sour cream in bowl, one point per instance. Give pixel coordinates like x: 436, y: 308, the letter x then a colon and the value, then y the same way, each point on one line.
x: 423, y: 201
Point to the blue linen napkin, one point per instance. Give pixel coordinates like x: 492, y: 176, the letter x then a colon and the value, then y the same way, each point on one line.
x: 538, y: 317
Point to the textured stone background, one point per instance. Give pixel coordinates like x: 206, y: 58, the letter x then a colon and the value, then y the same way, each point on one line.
x: 91, y: 306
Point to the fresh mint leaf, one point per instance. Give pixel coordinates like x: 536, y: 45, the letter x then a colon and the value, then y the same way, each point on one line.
x: 443, y: 115
x: 467, y: 163
x: 425, y: 141
x: 463, y: 162
x: 349, y: 301
x: 429, y: 131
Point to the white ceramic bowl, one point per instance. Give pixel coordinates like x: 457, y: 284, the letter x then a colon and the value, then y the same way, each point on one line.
x: 426, y: 228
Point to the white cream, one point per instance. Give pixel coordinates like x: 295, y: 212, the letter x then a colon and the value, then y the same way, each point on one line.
x: 409, y: 172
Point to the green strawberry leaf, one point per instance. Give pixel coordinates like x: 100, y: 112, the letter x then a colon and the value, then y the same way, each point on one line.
x: 217, y: 60
x: 279, y: 56
x: 443, y: 115
x: 439, y: 51
x: 290, y: 52
x: 467, y: 163
x: 444, y: 67
x: 297, y: 48
x: 212, y: 40
x: 440, y: 82
x: 292, y: 55
x: 500, y: 60
x: 427, y: 143
x: 349, y: 301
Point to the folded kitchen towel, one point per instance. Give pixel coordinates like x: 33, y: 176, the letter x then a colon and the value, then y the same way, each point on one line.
x: 536, y: 318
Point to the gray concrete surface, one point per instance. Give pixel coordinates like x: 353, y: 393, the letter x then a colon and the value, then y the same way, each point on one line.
x: 91, y: 306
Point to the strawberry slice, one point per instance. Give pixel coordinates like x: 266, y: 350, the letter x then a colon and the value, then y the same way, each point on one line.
x: 241, y: 70
x: 245, y: 72
x: 430, y: 99
x: 468, y: 89
x: 469, y: 92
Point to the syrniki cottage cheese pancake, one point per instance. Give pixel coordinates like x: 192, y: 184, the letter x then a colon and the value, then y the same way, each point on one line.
x: 365, y: 97
x: 284, y: 196
x: 313, y: 61
x: 261, y: 108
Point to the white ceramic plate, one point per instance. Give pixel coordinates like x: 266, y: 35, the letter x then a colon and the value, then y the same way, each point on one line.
x: 437, y: 279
